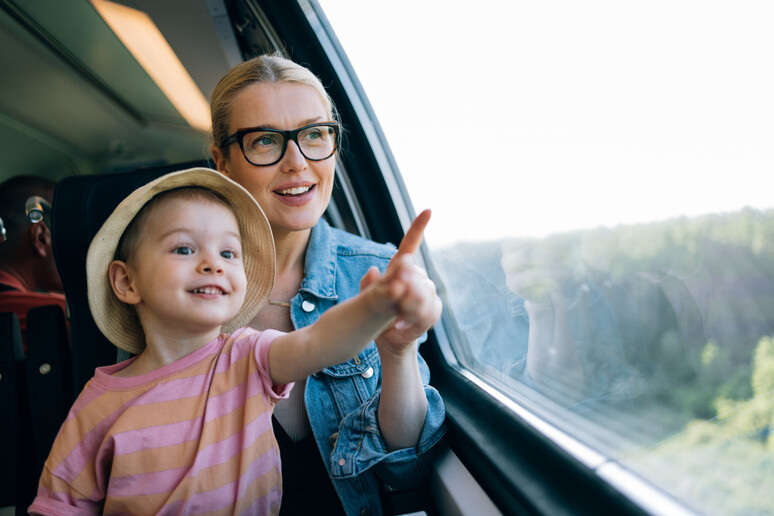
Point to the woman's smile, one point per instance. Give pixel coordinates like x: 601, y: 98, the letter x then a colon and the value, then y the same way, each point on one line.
x: 296, y: 195
x: 296, y: 190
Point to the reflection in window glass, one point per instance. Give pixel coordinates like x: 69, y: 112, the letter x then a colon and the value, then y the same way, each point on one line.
x: 603, y: 231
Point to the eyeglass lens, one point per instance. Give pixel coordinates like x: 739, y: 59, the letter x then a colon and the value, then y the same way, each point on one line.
x: 265, y: 147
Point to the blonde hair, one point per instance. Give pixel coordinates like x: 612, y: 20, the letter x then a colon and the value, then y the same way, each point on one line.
x: 265, y: 68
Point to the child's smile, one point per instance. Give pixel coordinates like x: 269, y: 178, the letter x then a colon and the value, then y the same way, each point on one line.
x: 209, y: 291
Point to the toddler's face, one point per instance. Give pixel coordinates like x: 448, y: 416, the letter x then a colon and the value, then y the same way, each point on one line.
x: 188, y: 266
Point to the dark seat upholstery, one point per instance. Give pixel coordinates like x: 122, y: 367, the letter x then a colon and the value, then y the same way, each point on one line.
x: 35, y: 395
x: 15, y: 422
x: 49, y: 378
x: 81, y: 205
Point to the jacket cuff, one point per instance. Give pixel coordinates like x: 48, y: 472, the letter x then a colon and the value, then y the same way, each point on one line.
x: 360, y: 445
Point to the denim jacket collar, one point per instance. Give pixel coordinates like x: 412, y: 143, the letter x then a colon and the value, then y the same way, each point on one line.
x: 320, y: 269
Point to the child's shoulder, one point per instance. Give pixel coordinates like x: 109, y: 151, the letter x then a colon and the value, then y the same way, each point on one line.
x: 245, y: 332
x: 247, y: 336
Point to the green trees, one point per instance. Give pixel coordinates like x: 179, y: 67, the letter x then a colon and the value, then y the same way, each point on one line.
x: 694, y: 304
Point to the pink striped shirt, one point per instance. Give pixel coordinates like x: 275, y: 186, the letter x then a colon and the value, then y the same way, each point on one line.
x: 193, y: 437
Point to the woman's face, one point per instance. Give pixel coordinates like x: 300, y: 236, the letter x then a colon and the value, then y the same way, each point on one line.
x: 294, y: 192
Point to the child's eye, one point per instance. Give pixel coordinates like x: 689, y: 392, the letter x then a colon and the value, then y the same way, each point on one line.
x: 183, y: 249
x: 228, y: 254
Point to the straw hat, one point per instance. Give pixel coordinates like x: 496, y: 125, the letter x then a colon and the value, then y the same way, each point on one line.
x: 118, y: 321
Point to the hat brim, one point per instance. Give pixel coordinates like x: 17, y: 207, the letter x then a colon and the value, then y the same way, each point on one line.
x: 118, y: 321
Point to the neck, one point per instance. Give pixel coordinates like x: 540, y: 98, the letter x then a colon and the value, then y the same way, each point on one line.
x: 291, y: 252
x: 20, y: 273
x: 290, y: 247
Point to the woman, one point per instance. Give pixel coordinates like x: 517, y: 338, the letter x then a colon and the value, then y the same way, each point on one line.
x: 372, y: 420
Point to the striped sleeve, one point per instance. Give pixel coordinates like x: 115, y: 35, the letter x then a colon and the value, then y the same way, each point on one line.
x: 276, y: 392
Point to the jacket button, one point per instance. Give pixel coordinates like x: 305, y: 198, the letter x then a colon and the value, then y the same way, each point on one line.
x: 368, y: 373
x: 334, y: 437
x: 365, y: 512
x: 307, y: 306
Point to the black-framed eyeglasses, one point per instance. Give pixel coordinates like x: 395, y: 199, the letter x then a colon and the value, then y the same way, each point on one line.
x: 263, y: 147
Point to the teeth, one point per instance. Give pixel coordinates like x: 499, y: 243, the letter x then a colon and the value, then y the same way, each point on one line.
x: 295, y: 190
x: 208, y: 290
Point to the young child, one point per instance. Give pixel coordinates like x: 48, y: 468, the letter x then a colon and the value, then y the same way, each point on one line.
x: 184, y: 427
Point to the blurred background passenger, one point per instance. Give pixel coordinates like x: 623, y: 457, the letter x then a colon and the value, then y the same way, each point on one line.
x: 28, y: 273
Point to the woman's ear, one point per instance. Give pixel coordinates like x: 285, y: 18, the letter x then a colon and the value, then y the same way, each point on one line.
x: 121, y: 281
x: 219, y: 159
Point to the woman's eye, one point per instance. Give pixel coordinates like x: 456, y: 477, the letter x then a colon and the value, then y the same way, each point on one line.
x: 317, y: 136
x: 183, y: 249
x: 315, y: 133
x: 263, y: 140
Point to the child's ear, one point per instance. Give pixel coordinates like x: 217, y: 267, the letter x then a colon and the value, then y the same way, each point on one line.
x: 121, y: 281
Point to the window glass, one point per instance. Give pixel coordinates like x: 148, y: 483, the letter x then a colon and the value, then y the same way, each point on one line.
x: 600, y: 175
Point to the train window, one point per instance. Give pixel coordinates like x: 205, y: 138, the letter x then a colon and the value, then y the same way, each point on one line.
x: 603, y: 226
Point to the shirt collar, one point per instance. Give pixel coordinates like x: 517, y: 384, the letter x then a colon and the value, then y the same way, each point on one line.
x: 6, y: 278
x: 320, y: 262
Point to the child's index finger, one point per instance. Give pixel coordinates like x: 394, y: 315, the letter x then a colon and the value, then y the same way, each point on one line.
x: 413, y: 237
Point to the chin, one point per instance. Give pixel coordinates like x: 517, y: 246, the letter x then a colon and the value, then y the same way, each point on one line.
x: 298, y: 223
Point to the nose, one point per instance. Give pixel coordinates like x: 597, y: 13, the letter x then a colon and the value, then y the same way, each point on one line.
x: 210, y: 263
x: 293, y: 160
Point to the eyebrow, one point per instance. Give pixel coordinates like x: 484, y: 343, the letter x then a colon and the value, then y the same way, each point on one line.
x: 312, y: 120
x: 191, y: 230
x: 304, y: 123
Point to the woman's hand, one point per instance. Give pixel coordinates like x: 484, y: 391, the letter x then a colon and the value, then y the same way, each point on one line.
x: 416, y: 304
x: 402, y: 404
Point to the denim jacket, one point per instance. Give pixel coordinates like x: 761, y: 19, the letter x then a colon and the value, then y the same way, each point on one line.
x: 342, y: 401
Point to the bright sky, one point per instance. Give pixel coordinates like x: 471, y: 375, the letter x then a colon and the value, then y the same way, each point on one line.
x: 514, y: 118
